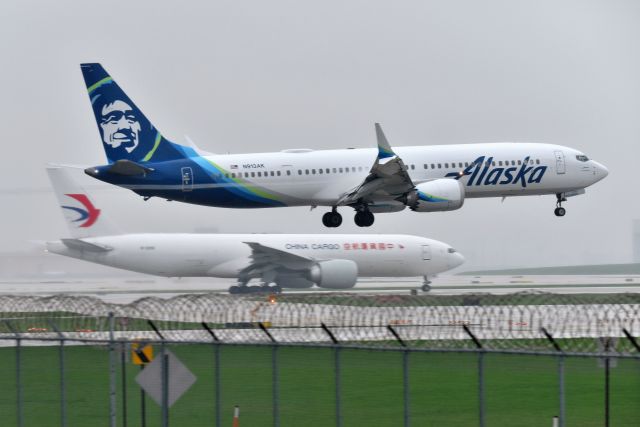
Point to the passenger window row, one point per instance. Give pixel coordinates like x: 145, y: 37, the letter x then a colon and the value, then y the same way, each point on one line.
x: 494, y: 163
x: 326, y: 171
x: 258, y: 174
x: 350, y: 169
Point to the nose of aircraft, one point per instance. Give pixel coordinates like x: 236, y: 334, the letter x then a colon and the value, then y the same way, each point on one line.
x: 455, y: 259
x: 600, y: 171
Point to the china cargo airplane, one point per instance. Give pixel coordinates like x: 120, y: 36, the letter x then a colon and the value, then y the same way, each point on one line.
x: 287, y: 260
x: 422, y: 178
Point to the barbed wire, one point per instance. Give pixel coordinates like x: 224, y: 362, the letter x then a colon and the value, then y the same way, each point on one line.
x: 509, y: 322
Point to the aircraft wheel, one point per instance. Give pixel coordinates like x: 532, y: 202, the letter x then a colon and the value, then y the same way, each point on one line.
x: 425, y: 287
x: 364, y: 219
x: 560, y: 211
x: 332, y: 219
x: 234, y: 290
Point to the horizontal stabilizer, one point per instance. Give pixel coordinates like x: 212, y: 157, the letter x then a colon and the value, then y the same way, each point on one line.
x: 122, y: 167
x: 81, y: 245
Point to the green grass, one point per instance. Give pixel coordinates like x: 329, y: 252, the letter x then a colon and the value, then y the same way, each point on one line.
x: 520, y: 390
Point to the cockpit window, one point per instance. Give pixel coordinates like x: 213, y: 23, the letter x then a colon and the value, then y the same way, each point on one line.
x: 582, y: 158
x: 451, y: 250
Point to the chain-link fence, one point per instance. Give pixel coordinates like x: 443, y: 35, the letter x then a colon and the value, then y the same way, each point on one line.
x: 322, y: 360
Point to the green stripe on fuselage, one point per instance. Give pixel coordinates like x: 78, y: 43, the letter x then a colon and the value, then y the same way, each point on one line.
x: 243, y: 185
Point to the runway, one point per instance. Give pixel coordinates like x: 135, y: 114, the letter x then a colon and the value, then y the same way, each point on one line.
x: 126, y: 290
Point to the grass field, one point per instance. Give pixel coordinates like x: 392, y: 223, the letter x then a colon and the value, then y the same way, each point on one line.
x: 520, y: 390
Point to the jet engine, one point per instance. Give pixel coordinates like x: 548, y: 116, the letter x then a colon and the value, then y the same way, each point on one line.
x: 293, y: 281
x: 334, y: 274
x: 330, y: 274
x: 438, y: 195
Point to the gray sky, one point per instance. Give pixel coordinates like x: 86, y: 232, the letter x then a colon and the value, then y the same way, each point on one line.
x: 246, y: 76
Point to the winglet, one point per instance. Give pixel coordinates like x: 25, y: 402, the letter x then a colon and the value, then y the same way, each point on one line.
x: 384, y: 149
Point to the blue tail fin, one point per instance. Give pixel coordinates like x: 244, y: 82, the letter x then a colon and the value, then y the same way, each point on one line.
x: 126, y: 133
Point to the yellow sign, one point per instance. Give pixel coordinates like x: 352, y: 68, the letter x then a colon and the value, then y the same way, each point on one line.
x: 141, y: 353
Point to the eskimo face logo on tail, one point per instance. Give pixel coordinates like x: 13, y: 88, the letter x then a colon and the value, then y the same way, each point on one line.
x: 125, y: 131
x: 120, y: 126
x: 483, y: 172
x: 88, y: 213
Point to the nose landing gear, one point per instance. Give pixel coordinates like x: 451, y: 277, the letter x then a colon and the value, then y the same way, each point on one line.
x: 426, y: 284
x: 560, y: 211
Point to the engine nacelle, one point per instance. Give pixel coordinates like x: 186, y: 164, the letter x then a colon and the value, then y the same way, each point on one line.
x: 387, y: 207
x: 293, y: 281
x: 335, y: 274
x: 438, y: 195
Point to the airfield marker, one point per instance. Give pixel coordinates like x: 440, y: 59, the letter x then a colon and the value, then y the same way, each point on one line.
x: 236, y: 416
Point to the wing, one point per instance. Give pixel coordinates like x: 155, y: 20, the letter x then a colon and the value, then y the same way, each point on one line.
x: 266, y: 261
x: 387, y: 180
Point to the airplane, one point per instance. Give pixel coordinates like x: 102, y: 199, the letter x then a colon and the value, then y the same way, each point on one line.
x: 287, y: 260
x: 422, y: 178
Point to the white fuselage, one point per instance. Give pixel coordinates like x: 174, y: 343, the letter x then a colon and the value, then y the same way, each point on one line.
x: 307, y: 177
x: 225, y: 255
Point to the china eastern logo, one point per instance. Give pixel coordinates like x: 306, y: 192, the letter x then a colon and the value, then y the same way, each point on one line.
x: 481, y: 172
x: 88, y: 213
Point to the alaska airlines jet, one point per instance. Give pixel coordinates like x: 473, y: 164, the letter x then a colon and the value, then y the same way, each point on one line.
x: 422, y: 178
x: 287, y: 260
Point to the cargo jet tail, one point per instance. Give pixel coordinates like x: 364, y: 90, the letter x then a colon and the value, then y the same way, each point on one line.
x: 82, y: 217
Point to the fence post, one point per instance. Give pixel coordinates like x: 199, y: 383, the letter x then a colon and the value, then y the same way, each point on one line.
x: 275, y: 391
x: 112, y: 372
x: 143, y: 409
x: 216, y: 371
x: 405, y: 375
x: 607, y: 381
x: 165, y: 386
x: 18, y: 372
x: 480, y: 373
x: 123, y: 369
x: 63, y: 397
x: 561, y: 394
x: 336, y: 360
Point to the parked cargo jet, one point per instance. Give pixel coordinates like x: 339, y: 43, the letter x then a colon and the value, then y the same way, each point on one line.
x: 422, y: 178
x: 286, y: 260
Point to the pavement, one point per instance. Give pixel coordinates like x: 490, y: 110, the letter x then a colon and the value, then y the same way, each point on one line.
x: 126, y: 290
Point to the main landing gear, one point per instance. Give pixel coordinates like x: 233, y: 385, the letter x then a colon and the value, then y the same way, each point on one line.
x: 426, y: 284
x: 560, y: 211
x: 332, y: 219
x: 264, y: 289
x: 363, y: 218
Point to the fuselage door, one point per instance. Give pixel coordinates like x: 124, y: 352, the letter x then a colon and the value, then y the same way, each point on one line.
x: 560, y: 165
x: 187, y: 179
x: 426, y: 252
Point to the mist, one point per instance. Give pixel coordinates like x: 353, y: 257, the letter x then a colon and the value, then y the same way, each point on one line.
x: 254, y: 76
